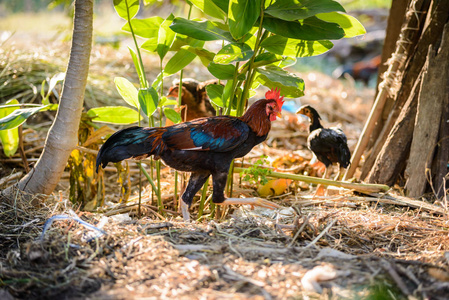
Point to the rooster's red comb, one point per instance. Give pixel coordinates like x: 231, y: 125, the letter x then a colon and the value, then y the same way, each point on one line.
x: 274, y: 94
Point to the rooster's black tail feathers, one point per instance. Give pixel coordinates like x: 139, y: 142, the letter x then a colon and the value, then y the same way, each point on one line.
x: 132, y: 142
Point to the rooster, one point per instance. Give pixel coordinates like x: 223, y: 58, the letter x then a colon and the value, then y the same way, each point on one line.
x: 204, y: 147
x: 194, y: 101
x: 328, y: 144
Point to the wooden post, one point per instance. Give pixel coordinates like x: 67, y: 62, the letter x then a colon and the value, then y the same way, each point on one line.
x: 434, y: 90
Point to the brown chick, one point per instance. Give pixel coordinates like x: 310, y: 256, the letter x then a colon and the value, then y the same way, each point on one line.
x: 194, y: 101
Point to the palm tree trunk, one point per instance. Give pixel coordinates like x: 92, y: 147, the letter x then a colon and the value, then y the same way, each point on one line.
x: 63, y: 134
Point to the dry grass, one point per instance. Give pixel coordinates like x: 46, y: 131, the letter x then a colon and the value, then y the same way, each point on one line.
x: 45, y: 24
x: 253, y: 254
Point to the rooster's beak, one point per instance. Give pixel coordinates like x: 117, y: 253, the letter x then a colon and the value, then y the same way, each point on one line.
x: 278, y: 114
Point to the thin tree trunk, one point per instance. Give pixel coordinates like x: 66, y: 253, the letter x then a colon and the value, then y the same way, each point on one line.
x: 434, y: 91
x: 63, y: 134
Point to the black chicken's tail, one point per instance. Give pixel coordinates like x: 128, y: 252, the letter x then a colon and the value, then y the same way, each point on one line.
x: 133, y: 142
x: 345, y: 155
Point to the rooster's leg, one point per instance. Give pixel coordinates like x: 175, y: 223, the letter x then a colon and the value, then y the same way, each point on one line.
x: 196, y: 181
x: 219, y: 182
x: 185, y: 211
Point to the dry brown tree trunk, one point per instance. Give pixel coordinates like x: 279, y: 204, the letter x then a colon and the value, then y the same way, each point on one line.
x: 441, y: 176
x: 428, y: 127
x: 63, y: 134
x: 434, y: 92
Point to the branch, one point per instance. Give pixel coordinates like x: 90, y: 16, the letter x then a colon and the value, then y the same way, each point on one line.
x: 359, y: 187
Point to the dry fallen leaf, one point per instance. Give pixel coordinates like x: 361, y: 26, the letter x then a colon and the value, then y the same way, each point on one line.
x: 439, y: 274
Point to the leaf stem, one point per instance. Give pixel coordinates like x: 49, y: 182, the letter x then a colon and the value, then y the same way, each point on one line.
x: 142, y: 77
x: 181, y: 75
x: 234, y: 84
x: 147, y: 175
x: 178, y: 105
x: 230, y: 180
x: 143, y: 83
x: 160, y: 205
x: 251, y: 72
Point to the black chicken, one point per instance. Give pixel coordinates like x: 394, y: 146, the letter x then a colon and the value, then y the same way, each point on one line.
x: 328, y: 144
x: 204, y: 147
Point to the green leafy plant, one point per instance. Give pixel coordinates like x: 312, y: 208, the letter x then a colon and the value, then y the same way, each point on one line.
x: 259, y: 38
x: 9, y: 137
x: 256, y: 173
x: 13, y: 114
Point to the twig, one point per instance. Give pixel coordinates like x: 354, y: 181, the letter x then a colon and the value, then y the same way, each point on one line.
x: 189, y: 247
x: 123, y: 209
x: 321, y: 234
x: 158, y: 225
x: 238, y: 276
x: 73, y: 217
x: 11, y: 177
x: 233, y: 249
x: 409, y: 274
x: 395, y: 276
x: 87, y: 150
x: 32, y: 150
x: 403, y: 201
x: 303, y: 225
x: 22, y: 151
x: 18, y: 160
